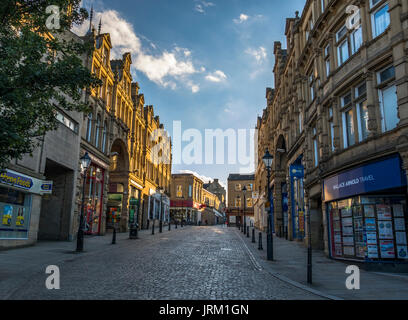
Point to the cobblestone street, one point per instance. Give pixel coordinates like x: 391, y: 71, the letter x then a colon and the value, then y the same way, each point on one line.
x: 189, y: 263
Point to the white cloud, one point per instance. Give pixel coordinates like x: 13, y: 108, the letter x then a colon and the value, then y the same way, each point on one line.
x: 199, y: 176
x: 259, y: 54
x: 242, y: 18
x: 216, y: 76
x: 166, y: 69
x: 202, y: 5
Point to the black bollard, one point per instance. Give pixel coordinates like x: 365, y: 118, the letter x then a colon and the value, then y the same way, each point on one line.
x: 253, y: 236
x: 176, y: 223
x: 114, y: 236
x: 169, y: 226
x: 260, y: 241
x: 247, y: 232
x: 153, y: 228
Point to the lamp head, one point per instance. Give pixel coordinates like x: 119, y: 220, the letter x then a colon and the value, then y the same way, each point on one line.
x: 267, y: 159
x: 85, y: 161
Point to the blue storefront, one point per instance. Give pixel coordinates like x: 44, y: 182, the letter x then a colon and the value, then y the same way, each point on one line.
x: 296, y: 173
x: 367, y: 212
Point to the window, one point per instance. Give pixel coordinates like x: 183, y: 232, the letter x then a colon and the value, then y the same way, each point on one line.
x: 315, y: 148
x: 98, y: 126
x: 388, y: 99
x: 89, y: 128
x: 331, y: 127
x: 322, y: 6
x: 362, y: 115
x: 327, y: 60
x: 249, y: 187
x: 249, y: 202
x: 343, y: 52
x: 238, y: 202
x: 300, y: 122
x: 348, y: 128
x: 190, y: 191
x: 380, y: 19
x: 66, y: 121
x: 104, y: 135
x: 312, y: 87
x: 356, y: 40
x: 179, y: 191
x: 237, y: 187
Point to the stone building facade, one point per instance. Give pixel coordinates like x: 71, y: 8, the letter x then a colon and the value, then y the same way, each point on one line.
x: 130, y: 173
x: 240, y: 204
x: 336, y: 123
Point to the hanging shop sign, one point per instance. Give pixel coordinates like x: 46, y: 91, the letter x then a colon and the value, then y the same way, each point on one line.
x: 297, y: 171
x: 380, y: 175
x: 21, y: 181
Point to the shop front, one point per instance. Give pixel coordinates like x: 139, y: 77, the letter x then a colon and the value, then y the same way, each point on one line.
x: 115, y: 203
x: 367, y: 212
x: 17, y: 194
x: 94, y: 199
x: 298, y: 202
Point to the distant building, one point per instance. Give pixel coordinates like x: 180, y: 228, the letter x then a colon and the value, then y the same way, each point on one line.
x: 240, y: 203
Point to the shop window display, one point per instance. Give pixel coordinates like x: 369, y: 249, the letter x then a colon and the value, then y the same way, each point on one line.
x: 369, y: 228
x: 15, y: 210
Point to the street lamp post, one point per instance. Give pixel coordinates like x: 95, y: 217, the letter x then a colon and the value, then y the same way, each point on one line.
x: 244, y: 190
x: 161, y: 190
x: 268, y: 161
x: 85, y: 163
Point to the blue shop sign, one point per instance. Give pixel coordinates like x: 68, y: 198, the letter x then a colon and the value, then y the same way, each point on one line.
x: 297, y: 171
x: 381, y: 175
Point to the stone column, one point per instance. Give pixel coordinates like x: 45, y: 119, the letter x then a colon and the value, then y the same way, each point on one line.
x: 374, y: 117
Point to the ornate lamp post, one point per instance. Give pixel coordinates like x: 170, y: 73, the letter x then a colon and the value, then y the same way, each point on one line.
x: 268, y: 161
x: 244, y: 190
x: 85, y: 164
x: 161, y: 190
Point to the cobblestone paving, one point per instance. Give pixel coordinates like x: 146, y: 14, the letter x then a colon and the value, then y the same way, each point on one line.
x: 195, y: 263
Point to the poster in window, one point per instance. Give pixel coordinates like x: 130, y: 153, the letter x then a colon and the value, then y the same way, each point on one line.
x: 346, y: 212
x: 348, y: 230
x: 360, y: 251
x: 401, y: 238
x: 20, y: 217
x: 357, y: 211
x: 348, y: 251
x: 7, y: 215
x: 336, y: 215
x: 371, y: 237
x: 384, y: 212
x: 385, y: 230
x: 338, y: 249
x: 370, y: 224
x: 387, y: 249
x: 336, y: 225
x: 358, y: 224
x: 337, y: 237
x: 399, y: 224
x: 402, y: 252
x: 398, y: 210
x: 369, y: 211
x: 372, y: 251
x: 348, y: 241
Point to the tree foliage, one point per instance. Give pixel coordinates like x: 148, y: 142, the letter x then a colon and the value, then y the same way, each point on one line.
x: 39, y: 70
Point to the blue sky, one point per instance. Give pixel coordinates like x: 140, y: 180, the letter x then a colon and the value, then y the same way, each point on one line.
x: 205, y: 63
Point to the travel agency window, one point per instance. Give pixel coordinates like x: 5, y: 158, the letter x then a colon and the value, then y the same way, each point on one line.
x: 367, y: 212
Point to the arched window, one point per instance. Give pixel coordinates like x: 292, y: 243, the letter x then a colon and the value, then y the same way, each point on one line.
x: 105, y: 128
x: 89, y: 128
x: 98, y: 126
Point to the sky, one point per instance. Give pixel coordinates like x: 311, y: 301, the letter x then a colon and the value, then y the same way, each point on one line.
x: 204, y: 63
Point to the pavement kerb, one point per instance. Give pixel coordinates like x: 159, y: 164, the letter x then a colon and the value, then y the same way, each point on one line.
x: 280, y: 277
